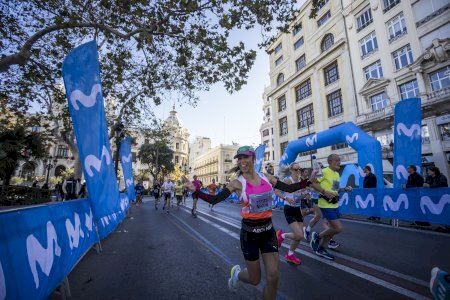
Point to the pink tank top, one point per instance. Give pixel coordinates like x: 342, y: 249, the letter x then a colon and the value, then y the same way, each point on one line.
x: 256, y: 204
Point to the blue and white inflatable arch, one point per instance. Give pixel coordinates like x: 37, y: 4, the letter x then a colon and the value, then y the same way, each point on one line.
x: 367, y: 147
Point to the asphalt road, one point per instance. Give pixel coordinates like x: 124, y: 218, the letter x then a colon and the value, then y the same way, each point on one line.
x: 153, y: 255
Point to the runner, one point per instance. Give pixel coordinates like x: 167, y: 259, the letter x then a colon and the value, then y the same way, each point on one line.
x: 212, y: 188
x: 138, y: 189
x: 156, y: 193
x: 198, y: 185
x: 328, y: 187
x: 257, y: 233
x: 317, y: 214
x: 306, y: 206
x: 167, y: 189
x: 179, y: 189
x: 293, y: 213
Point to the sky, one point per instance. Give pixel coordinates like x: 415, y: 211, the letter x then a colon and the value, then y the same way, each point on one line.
x: 224, y: 117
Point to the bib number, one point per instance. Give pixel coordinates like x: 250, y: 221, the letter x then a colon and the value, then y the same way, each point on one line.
x: 260, y: 202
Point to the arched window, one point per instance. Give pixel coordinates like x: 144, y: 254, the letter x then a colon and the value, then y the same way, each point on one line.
x: 280, y: 79
x: 59, y: 170
x: 327, y: 42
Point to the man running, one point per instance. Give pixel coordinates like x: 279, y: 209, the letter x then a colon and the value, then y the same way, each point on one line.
x: 198, y: 185
x: 179, y: 189
x: 138, y: 190
x: 328, y: 187
x: 167, y: 189
x: 156, y: 193
x: 212, y: 188
x: 293, y: 213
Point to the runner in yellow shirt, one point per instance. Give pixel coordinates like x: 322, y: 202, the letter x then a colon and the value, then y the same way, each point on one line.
x: 328, y: 187
x: 179, y: 188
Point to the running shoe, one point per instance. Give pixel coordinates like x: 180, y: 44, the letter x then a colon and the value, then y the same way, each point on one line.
x: 324, y: 253
x: 307, y: 234
x: 314, y: 241
x: 439, y: 284
x: 293, y: 259
x: 233, y: 281
x: 332, y: 244
x: 280, y: 237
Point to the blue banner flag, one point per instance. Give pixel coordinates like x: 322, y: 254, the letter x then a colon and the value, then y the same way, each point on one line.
x: 407, y: 139
x: 414, y: 204
x: 81, y: 73
x: 126, y: 158
x: 259, y: 157
x: 41, y: 245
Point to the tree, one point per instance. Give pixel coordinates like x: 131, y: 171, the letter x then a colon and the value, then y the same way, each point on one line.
x: 17, y: 143
x: 159, y: 158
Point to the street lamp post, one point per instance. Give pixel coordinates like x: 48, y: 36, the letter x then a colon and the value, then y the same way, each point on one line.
x: 118, y: 133
x: 48, y: 165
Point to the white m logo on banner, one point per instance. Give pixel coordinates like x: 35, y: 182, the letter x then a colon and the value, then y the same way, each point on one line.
x: 40, y: 255
x: 434, y: 208
x: 86, y: 100
x: 364, y: 203
x: 395, y: 206
x: 93, y: 161
x: 74, y: 232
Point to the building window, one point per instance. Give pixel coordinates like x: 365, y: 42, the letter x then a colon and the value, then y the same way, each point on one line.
x: 297, y: 28
x: 339, y: 146
x: 385, y: 139
x: 279, y: 61
x: 368, y: 44
x: 36, y: 129
x: 265, y: 132
x: 364, y: 19
x: 444, y: 129
x: 409, y: 89
x: 177, y: 146
x: 280, y: 79
x: 266, y: 143
x: 300, y: 63
x: 283, y: 126
x: 62, y: 152
x: 378, y: 101
x: 396, y: 26
x: 388, y: 4
x: 283, y: 147
x: 303, y: 90
x: 176, y: 159
x: 307, y: 153
x: 324, y: 19
x: 278, y: 48
x: 327, y: 42
x: 321, y: 4
x: 425, y: 135
x: 133, y: 156
x: 266, y: 156
x: 305, y: 116
x: 298, y: 43
x: 374, y: 70
x: 282, y: 103
x: 331, y: 73
x: 402, y: 57
x: 440, y: 79
x: 335, y: 104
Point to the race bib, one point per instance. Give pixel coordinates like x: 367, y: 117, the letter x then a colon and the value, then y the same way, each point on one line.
x: 260, y: 202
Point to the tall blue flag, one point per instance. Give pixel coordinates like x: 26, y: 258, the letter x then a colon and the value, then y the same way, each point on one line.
x: 259, y: 157
x: 407, y: 139
x: 81, y: 73
x: 126, y: 159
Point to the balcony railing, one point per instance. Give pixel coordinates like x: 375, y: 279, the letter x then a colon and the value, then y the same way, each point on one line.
x: 437, y: 96
x: 376, y: 115
x: 433, y: 15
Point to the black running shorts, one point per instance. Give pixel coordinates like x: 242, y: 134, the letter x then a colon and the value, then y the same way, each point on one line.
x: 253, y: 243
x: 293, y: 214
x: 167, y: 195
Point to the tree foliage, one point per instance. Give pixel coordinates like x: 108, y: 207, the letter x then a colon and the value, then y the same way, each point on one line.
x: 159, y: 158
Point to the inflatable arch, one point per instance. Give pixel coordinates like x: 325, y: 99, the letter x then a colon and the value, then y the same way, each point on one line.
x: 368, y: 148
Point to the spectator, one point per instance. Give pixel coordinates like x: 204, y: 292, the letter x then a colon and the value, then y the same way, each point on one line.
x: 138, y: 191
x: 370, y: 181
x: 44, y: 186
x: 435, y: 178
x: 35, y: 183
x: 212, y: 188
x: 70, y: 188
x: 414, y: 178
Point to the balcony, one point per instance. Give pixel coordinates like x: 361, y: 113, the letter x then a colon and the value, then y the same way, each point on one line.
x: 433, y: 15
x: 374, y: 116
